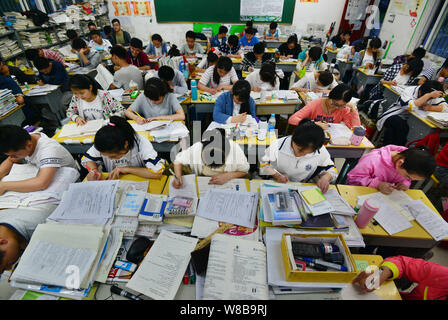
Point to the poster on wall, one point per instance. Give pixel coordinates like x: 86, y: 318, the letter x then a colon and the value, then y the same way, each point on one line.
x: 406, y: 7
x: 132, y: 8
x: 356, y: 10
x: 255, y: 10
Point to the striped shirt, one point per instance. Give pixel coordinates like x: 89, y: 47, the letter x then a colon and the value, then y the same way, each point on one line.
x: 53, y: 55
x: 207, y: 78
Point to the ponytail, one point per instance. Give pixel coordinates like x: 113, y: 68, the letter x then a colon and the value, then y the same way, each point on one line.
x: 224, y: 63
x: 112, y: 137
x: 418, y: 161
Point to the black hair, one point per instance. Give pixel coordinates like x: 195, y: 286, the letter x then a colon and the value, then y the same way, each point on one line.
x: 308, y: 135
x: 119, y: 51
x: 156, y: 37
x: 347, y: 32
x: 32, y: 54
x: 215, y: 148
x: 81, y: 81
x: 156, y: 88
x: 13, y: 138
x: 97, y: 32
x: 292, y: 39
x: 415, y: 66
x: 91, y: 24
x: 116, y: 20
x: 136, y: 43
x: 166, y: 73
x: 430, y: 86
x: 418, y: 161
x: 375, y: 43
x: 268, y: 74
x: 249, y: 23
x: 173, y: 52
x: 315, y: 53
x: 233, y: 40
x: 41, y: 63
x: 241, y: 89
x: 223, y: 29
x: 190, y: 34
x: 251, y: 31
x: 223, y: 63
x: 212, y: 57
x: 78, y: 44
x: 259, y: 48
x: 326, y: 78
x: 72, y: 34
x: 359, y: 46
x: 107, y: 29
x: 273, y: 25
x: 341, y: 92
x: 112, y: 137
x: 419, y: 53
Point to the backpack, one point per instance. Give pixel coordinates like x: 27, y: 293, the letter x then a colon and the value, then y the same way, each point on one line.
x: 431, y: 141
x: 373, y: 108
x: 38, y: 17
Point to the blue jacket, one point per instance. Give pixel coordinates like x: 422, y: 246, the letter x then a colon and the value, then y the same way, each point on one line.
x: 224, y: 107
x: 245, y: 43
x: 151, y: 50
x: 215, y: 42
x: 6, y: 82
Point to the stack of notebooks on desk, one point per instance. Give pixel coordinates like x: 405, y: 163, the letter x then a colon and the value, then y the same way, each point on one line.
x: 174, y: 131
x: 41, y: 90
x: 7, y: 102
x: 9, y: 48
x: 438, y: 118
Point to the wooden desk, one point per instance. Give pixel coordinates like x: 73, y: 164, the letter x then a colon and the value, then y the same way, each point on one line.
x: 365, y: 79
x: 344, y: 66
x: 14, y: 117
x: 286, y: 66
x: 53, y: 99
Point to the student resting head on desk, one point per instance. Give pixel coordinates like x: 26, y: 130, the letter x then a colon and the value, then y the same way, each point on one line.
x: 88, y: 57
x: 322, y: 81
x: 300, y: 157
x: 119, y: 150
x: 333, y: 109
x: 425, y: 280
x: 231, y: 49
x: 273, y: 33
x: 234, y: 105
x: 215, y: 156
x: 218, y: 77
x: 211, y: 60
x: 157, y: 103
x: 32, y: 54
x: 174, y: 78
x: 312, y: 60
x: 157, y: 47
x: 264, y: 79
x: 125, y: 72
x: 392, y: 167
x: 254, y: 59
x: 136, y: 56
x: 191, y: 47
x: 90, y: 103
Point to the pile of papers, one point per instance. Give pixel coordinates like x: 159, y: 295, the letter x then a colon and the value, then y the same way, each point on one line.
x: 66, y: 52
x: 89, y: 129
x: 174, y: 131
x: 33, y: 39
x: 7, y: 102
x: 19, y: 21
x: 41, y: 90
x: 9, y: 48
x: 439, y: 118
x: 339, y: 134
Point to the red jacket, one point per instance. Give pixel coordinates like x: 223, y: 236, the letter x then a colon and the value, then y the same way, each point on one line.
x: 442, y: 157
x: 141, y: 60
x: 432, y: 278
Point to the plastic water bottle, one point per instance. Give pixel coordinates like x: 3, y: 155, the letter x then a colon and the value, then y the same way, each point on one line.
x: 194, y: 90
x: 367, y: 212
x: 181, y: 66
x: 271, y: 123
x: 186, y: 70
x: 358, y: 136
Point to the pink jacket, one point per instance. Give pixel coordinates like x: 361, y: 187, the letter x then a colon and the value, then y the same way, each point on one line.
x: 375, y: 167
x: 432, y: 278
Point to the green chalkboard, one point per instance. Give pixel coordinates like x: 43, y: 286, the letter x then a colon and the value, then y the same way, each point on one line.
x: 225, y: 11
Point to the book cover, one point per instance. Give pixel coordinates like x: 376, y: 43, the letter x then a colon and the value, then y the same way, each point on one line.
x: 284, y: 208
x: 153, y: 209
x: 178, y: 207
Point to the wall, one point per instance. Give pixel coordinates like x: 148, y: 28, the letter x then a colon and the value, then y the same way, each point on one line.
x: 323, y: 12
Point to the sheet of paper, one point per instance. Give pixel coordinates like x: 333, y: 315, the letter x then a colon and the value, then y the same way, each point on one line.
x: 188, y: 189
x: 234, y: 184
x: 104, y: 77
x: 115, y: 239
x: 133, y: 185
x: 236, y: 270
x: 150, y: 125
x: 41, y: 90
x: 339, y: 204
x: 127, y: 225
x: 390, y: 219
x: 73, y: 130
x: 163, y: 268
x: 313, y: 196
x: 396, y: 199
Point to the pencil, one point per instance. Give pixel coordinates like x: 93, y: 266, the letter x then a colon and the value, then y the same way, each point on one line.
x: 139, y: 115
x: 175, y: 177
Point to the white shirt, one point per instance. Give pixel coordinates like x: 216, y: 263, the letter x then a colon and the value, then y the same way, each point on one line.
x: 255, y: 81
x: 50, y: 154
x: 158, y: 51
x: 236, y: 111
x: 367, y: 59
x: 402, y: 80
x: 309, y: 82
x: 106, y: 45
x: 203, y: 64
x: 91, y: 110
x: 207, y: 78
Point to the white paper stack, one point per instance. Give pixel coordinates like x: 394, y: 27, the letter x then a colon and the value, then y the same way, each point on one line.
x: 89, y: 129
x: 174, y: 131
x: 7, y: 101
x: 439, y: 118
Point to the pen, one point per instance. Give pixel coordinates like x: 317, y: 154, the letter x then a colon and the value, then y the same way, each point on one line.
x: 175, y: 177
x: 326, y: 264
x: 186, y: 279
x: 139, y: 115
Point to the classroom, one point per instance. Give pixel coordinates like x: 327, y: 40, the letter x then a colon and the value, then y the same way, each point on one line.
x: 209, y: 151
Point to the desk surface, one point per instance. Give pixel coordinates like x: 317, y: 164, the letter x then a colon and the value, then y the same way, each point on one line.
x: 388, y: 86
x: 425, y: 121
x: 363, y: 71
x: 155, y: 186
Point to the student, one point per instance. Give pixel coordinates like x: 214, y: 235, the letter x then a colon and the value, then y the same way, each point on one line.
x: 221, y: 38
x: 233, y: 106
x: 108, y: 34
x: 191, y: 48
x: 273, y: 33
x: 119, y: 36
x: 333, y: 109
x: 157, y: 48
x: 369, y: 57
x: 218, y: 77
x: 211, y: 60
x: 136, y: 56
x: 249, y: 25
x: 215, y: 156
x: 174, y: 78
x: 33, y: 54
x: 430, y: 278
x: 88, y: 58
x: 254, y: 59
x: 92, y: 27
x: 300, y: 157
x: 441, y: 172
x: 341, y: 39
x: 119, y: 150
x: 249, y: 39
x: 99, y: 42
x: 72, y: 35
x: 20, y: 76
x: 392, y: 168
x: 36, y: 149
x: 312, y: 60
x: 429, y: 68
x: 264, y: 79
x: 319, y: 82
x: 230, y: 49
x: 52, y: 72
x: 427, y: 97
x: 157, y: 103
x: 401, y: 74
x: 90, y: 103
x: 289, y: 50
x: 126, y: 73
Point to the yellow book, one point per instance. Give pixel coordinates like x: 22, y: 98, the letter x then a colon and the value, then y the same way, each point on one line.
x: 313, y: 196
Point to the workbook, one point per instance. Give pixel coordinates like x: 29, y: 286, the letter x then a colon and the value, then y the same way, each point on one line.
x: 315, y: 202
x: 233, y: 184
x: 89, y: 129
x: 153, y: 208
x: 339, y: 134
x: 104, y: 77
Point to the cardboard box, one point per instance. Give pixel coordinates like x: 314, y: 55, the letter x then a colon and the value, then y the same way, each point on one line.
x: 319, y: 276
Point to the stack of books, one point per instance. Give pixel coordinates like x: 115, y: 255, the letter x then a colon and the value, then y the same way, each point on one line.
x: 438, y: 118
x: 7, y: 102
x: 9, y: 48
x: 33, y: 39
x: 19, y: 21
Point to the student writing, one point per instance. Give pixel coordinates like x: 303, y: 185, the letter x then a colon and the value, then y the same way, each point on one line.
x: 231, y: 49
x: 273, y: 33
x: 221, y: 38
x: 312, y: 60
x: 264, y: 79
x: 211, y: 60
x: 322, y: 81
x: 368, y: 58
x: 341, y: 39
x: 254, y: 59
x: 157, y: 47
x: 98, y: 42
x: 249, y: 39
x: 289, y: 50
x: 218, y: 77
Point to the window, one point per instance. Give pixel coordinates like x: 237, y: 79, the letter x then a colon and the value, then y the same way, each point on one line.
x: 437, y: 39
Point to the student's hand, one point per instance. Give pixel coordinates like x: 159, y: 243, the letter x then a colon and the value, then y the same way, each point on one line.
x: 394, y: 83
x: 213, y: 91
x: 178, y: 183
x: 401, y: 187
x: 435, y: 94
x: 40, y: 82
x: 323, y: 125
x: 352, y: 107
x: 239, y: 118
x: 370, y: 66
x: 80, y: 121
x: 385, y: 187
x: 94, y: 175
x: 220, y: 178
x: 20, y: 100
x: 280, y: 178
x: 142, y: 121
x: 256, y: 89
x: 116, y: 68
x: 220, y: 88
x: 324, y: 182
x: 115, y: 174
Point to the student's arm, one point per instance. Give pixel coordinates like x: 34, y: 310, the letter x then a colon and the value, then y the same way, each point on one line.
x: 205, y: 79
x: 206, y: 89
x: 141, y: 172
x: 180, y: 85
x: 94, y: 174
x: 351, y: 119
x: 429, y: 96
x: 73, y: 112
x: 438, y: 108
x: 222, y: 178
x: 41, y: 182
x: 301, y: 85
x: 179, y: 115
x: 133, y: 116
x: 177, y: 183
x: 145, y: 62
x: 326, y: 170
x: 268, y: 164
x: 233, y: 80
x: 219, y: 114
x: 83, y: 57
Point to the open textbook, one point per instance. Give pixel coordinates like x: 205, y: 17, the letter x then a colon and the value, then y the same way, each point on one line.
x: 74, y: 130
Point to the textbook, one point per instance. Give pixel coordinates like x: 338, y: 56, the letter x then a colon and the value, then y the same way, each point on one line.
x: 315, y: 202
x: 153, y: 209
x: 89, y: 129
x: 130, y: 203
x: 284, y: 208
x: 180, y: 207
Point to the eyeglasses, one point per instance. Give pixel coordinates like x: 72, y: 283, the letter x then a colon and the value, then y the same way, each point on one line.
x: 333, y: 104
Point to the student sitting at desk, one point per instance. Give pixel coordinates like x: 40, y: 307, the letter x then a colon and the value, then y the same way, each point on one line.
x: 157, y: 47
x: 211, y: 60
x: 99, y: 42
x: 230, y: 49
x: 215, y: 156
x: 340, y: 39
x: 191, y: 47
x: 72, y: 35
x: 312, y: 60
x: 20, y: 76
x: 289, y: 50
x: 273, y: 33
x: 249, y: 39
x: 249, y: 25
x: 319, y: 82
x: 125, y: 72
x: 119, y: 150
x: 369, y: 57
x: 119, y: 36
x: 174, y: 78
x: 157, y: 103
x: 233, y: 106
x: 221, y: 38
x: 33, y: 54
x: 37, y: 149
x: 426, y: 280
x: 254, y: 59
x: 218, y: 77
x: 88, y: 58
x: 300, y: 157
x: 90, y: 103
x: 92, y: 27
x: 136, y: 56
x: 429, y: 67
x: 335, y: 108
x: 392, y: 167
x: 264, y: 79
x: 427, y: 97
